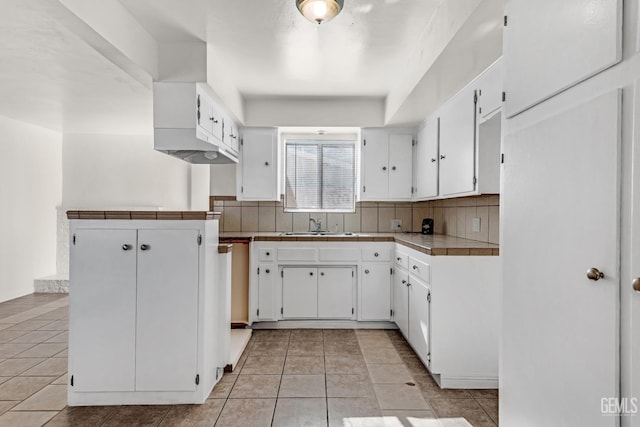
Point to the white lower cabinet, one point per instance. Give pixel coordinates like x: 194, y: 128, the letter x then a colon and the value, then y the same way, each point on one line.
x: 267, y: 302
x: 375, y: 291
x: 141, y: 292
x: 296, y: 280
x: 317, y: 293
x: 448, y: 309
x: 401, y: 301
x: 419, y: 322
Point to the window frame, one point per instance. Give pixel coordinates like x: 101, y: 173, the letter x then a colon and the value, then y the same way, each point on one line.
x: 321, y: 143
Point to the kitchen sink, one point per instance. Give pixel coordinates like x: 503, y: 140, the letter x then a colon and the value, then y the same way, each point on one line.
x: 317, y: 233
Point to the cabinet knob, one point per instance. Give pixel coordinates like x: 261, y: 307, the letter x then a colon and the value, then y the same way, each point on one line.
x: 311, y: 273
x: 393, y: 168
x: 594, y: 274
x: 376, y: 254
x: 266, y: 163
x: 126, y: 247
x: 404, y: 282
x: 267, y: 271
x: 442, y: 157
x: 636, y: 284
x: 399, y: 259
x: 415, y: 267
x: 433, y: 160
x: 213, y: 119
x: 322, y: 274
x: 145, y: 247
x: 366, y: 272
x: 384, y: 168
x: 268, y: 253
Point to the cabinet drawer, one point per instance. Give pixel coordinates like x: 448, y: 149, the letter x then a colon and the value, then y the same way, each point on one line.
x: 401, y: 260
x: 266, y: 255
x: 376, y: 254
x: 339, y: 254
x: 420, y: 269
x: 296, y: 254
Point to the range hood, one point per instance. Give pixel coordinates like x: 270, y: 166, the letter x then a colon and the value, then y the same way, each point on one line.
x: 176, y: 110
x: 188, y: 145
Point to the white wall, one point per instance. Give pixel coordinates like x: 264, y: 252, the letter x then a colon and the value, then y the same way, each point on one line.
x: 31, y: 177
x: 121, y: 172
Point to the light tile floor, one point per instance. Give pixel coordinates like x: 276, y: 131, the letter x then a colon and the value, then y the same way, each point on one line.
x: 284, y: 378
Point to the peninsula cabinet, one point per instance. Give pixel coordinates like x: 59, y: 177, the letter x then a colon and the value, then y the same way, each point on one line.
x: 142, y: 325
x: 386, y: 164
x: 447, y: 307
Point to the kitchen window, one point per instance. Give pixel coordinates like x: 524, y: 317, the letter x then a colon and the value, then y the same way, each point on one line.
x: 320, y: 176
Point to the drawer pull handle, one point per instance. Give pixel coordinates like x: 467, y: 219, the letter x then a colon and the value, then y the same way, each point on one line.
x: 145, y: 247
x: 126, y: 247
x: 376, y: 254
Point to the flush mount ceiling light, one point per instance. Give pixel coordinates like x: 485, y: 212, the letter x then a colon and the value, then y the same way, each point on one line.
x: 319, y: 11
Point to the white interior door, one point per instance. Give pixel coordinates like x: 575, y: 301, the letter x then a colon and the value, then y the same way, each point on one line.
x: 628, y: 291
x: 400, y: 173
x: 102, y: 320
x: 551, y: 45
x: 335, y: 293
x: 560, y: 218
x: 299, y: 293
x: 167, y: 317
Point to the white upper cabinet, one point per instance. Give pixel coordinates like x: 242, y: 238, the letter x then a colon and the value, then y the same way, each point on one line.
x: 230, y: 134
x: 457, y: 144
x: 386, y: 164
x: 208, y: 116
x: 551, y: 45
x: 426, y: 160
x: 490, y: 88
x: 257, y: 172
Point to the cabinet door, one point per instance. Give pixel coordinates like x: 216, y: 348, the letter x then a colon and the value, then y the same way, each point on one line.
x: 457, y: 144
x: 267, y: 292
x: 426, y: 161
x: 490, y: 90
x: 375, y: 297
x: 258, y: 165
x: 375, y: 165
x: 551, y: 45
x: 216, y: 122
x: 335, y: 293
x: 400, y: 168
x: 419, y: 323
x: 401, y: 301
x: 102, y: 319
x: 299, y: 293
x: 204, y: 112
x: 167, y: 310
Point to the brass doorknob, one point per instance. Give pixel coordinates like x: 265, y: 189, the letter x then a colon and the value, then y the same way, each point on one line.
x: 636, y: 284
x: 594, y: 274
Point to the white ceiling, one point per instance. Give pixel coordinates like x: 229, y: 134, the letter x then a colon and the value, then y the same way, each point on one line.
x: 270, y: 49
x: 85, y: 66
x: 51, y: 78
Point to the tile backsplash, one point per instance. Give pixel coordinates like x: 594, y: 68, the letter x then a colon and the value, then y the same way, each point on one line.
x: 453, y: 217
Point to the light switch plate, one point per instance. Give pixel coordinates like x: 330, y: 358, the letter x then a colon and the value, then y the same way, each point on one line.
x: 396, y: 224
x: 476, y: 225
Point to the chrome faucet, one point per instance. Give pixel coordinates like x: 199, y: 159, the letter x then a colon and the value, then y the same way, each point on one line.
x: 317, y: 223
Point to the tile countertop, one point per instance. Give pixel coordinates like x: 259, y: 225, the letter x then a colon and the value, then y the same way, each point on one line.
x: 145, y: 215
x: 436, y: 244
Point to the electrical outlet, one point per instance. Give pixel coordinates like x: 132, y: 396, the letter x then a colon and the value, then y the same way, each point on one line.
x: 396, y: 224
x: 476, y: 225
